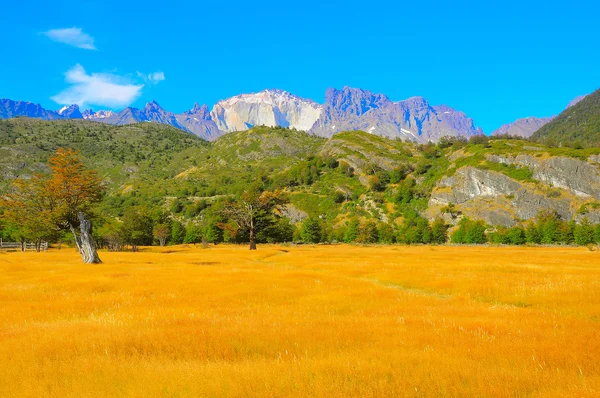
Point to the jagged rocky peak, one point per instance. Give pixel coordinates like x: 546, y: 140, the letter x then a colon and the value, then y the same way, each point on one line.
x: 267, y: 107
x: 412, y: 119
x: 70, y: 112
x: 200, y: 111
x: 91, y: 115
x: 354, y: 101
x: 153, y: 106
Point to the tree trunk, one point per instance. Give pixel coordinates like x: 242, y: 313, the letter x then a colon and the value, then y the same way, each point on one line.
x: 85, y: 242
x: 76, y: 237
x: 252, y: 239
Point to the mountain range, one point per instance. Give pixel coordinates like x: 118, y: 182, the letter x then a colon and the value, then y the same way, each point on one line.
x: 348, y: 109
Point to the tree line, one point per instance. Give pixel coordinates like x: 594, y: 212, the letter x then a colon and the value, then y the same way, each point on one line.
x: 61, y: 206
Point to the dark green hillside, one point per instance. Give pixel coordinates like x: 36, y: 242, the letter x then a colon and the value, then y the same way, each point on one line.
x: 122, y: 154
x: 578, y: 125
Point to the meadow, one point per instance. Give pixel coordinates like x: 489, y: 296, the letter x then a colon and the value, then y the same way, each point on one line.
x: 328, y: 321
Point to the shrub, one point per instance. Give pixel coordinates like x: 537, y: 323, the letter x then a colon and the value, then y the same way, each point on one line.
x: 385, y: 232
x: 311, y: 230
x: 439, y: 231
x: 470, y: 232
x: 368, y: 232
x: 516, y: 236
x: 351, y: 232
x: 584, y: 233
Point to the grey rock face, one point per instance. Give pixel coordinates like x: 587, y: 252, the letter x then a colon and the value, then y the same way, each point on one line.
x: 527, y: 204
x: 523, y: 127
x: 577, y: 176
x: 413, y: 119
x: 494, y: 197
x: 469, y: 183
x: 293, y: 213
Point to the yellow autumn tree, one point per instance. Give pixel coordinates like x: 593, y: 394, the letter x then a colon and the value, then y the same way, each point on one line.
x: 61, y: 200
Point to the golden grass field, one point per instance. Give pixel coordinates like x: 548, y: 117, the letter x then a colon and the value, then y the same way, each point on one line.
x: 327, y: 321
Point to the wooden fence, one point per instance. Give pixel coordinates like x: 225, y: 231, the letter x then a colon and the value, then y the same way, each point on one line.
x: 29, y: 246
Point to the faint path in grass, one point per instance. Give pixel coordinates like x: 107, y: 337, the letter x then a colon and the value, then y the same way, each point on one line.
x: 407, y: 289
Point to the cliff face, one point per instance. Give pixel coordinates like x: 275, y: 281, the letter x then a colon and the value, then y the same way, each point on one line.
x: 269, y: 108
x: 559, y: 184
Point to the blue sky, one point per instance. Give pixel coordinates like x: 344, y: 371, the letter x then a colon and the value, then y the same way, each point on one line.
x: 496, y: 61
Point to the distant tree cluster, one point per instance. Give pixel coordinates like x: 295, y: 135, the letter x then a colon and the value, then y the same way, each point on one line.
x: 413, y: 230
x: 546, y: 229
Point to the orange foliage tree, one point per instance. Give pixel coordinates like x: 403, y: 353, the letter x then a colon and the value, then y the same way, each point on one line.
x: 63, y: 199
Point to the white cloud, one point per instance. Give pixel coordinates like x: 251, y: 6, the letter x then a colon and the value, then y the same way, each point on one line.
x: 101, y: 89
x: 152, y: 78
x: 72, y: 36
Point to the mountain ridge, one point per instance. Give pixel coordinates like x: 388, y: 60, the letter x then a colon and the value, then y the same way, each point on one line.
x: 412, y: 119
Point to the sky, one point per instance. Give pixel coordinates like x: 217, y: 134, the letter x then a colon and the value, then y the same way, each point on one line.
x: 494, y: 60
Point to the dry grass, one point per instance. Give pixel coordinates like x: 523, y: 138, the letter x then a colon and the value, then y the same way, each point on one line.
x: 332, y: 321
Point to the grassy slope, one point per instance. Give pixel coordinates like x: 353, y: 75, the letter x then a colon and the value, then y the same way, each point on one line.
x: 122, y: 154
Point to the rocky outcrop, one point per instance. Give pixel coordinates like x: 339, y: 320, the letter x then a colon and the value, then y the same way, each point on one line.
x: 495, y: 197
x: 294, y: 214
x: 574, y: 175
x: 470, y: 182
